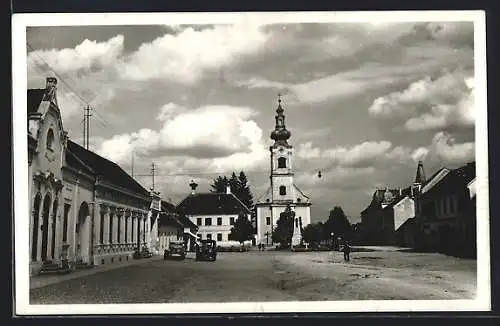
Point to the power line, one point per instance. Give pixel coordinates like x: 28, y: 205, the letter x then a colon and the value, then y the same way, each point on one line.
x: 63, y: 80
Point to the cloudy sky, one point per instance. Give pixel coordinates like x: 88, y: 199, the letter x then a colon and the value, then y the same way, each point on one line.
x: 364, y: 102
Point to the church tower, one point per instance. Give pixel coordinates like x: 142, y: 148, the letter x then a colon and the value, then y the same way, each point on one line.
x: 282, y: 192
x: 281, y: 160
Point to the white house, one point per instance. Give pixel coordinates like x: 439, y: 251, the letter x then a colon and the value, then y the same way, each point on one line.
x: 213, y: 213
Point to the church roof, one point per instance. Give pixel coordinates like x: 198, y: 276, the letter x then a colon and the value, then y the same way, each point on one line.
x: 105, y: 169
x: 211, y: 204
x: 420, y: 175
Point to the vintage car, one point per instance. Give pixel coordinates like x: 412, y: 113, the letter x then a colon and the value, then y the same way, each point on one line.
x: 206, y: 250
x: 143, y: 253
x: 176, y: 249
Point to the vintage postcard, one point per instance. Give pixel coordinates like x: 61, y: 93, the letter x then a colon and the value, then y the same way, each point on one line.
x: 250, y: 162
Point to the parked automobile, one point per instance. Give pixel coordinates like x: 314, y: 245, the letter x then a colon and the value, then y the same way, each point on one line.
x: 144, y: 253
x: 206, y: 250
x: 176, y: 249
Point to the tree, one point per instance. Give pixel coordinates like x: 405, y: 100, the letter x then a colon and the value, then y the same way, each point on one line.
x: 284, y: 228
x: 244, y: 193
x: 239, y: 187
x: 314, y: 233
x: 337, y: 223
x: 242, y: 229
x: 219, y: 184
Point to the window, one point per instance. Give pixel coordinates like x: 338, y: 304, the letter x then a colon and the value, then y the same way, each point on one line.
x: 282, y: 163
x: 282, y: 190
x: 65, y: 222
x: 219, y: 236
x: 50, y: 139
x: 208, y: 221
x: 219, y: 220
x: 268, y: 220
x: 198, y: 221
x: 231, y: 220
x: 209, y: 236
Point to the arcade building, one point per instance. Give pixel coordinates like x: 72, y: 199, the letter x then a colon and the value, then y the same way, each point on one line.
x: 83, y: 208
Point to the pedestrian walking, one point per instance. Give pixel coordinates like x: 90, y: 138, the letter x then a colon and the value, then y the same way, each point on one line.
x: 347, y: 250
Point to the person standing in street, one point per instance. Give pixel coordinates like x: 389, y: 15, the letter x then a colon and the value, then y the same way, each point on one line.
x: 346, y: 249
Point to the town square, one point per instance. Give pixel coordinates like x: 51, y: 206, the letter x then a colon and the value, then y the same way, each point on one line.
x: 252, y: 161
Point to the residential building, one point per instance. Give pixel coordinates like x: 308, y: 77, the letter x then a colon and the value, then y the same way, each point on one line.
x: 446, y: 211
x: 172, y: 226
x: 84, y: 208
x: 387, y: 219
x: 282, y: 191
x: 213, y: 213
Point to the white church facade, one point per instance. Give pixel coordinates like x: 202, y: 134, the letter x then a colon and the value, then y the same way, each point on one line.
x: 282, y: 191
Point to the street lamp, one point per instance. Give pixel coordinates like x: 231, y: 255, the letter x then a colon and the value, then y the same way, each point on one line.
x: 333, y: 241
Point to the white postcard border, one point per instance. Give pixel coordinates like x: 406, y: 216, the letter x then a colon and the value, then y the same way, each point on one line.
x: 482, y: 302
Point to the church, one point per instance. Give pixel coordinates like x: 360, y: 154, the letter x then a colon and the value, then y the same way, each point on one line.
x: 282, y: 191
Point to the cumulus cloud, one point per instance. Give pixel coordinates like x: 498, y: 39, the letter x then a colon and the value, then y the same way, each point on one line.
x: 216, y: 135
x: 184, y: 57
x: 447, y: 149
x: 86, y: 56
x: 366, y: 154
x: 431, y: 103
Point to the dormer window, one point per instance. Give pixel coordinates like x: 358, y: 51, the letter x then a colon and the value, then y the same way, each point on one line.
x: 282, y: 163
x: 50, y: 140
x: 282, y: 190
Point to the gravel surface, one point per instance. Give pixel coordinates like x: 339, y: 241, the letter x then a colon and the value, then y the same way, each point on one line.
x: 272, y: 276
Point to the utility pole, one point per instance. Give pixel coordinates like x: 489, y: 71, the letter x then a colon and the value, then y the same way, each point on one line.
x: 88, y: 115
x: 153, y: 174
x: 84, y: 126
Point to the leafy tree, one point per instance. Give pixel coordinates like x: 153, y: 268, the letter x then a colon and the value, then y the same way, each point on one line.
x: 314, y: 233
x: 284, y: 228
x: 242, y: 229
x: 338, y: 223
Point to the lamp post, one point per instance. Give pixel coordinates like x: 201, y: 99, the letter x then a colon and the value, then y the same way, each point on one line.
x: 333, y: 240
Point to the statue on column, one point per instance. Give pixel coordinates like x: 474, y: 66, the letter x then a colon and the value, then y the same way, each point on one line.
x: 297, y: 233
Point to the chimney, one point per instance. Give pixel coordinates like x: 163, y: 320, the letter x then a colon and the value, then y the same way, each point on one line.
x: 193, y: 186
x: 228, y: 189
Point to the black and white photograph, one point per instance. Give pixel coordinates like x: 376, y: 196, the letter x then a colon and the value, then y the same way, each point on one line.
x: 250, y: 162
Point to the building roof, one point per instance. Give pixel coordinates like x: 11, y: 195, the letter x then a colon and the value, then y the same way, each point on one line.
x: 35, y: 97
x: 105, y: 169
x: 453, y: 181
x: 211, y: 204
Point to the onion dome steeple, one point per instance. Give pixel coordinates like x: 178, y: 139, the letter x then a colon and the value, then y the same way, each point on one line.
x: 280, y: 134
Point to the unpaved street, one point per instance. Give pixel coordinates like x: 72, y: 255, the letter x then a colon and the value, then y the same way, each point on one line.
x: 273, y: 276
